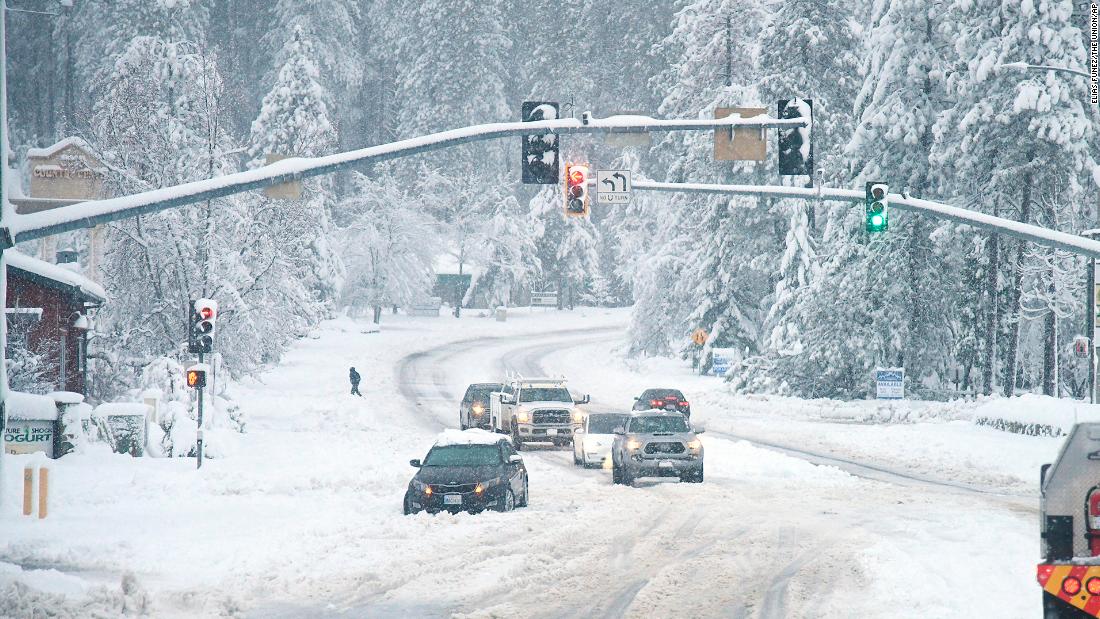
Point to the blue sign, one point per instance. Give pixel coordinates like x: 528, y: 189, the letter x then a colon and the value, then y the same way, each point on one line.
x: 890, y: 383
x: 721, y: 360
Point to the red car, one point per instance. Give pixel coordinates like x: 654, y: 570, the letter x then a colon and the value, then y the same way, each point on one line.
x: 663, y: 399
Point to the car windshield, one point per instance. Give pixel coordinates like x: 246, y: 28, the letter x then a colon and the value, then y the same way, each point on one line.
x: 651, y: 425
x: 545, y: 394
x: 604, y: 424
x: 481, y: 393
x: 661, y: 394
x: 463, y: 455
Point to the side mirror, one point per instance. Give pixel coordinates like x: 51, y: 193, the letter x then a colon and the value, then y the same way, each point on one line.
x: 699, y: 428
x: 587, y: 399
x: 415, y: 462
x: 579, y: 431
x: 636, y: 398
x: 620, y: 430
x: 515, y: 459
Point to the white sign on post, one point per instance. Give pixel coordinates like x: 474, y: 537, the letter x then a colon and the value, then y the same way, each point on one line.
x: 889, y: 383
x: 612, y: 186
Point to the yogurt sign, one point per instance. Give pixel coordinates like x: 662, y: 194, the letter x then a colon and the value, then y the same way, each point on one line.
x: 27, y: 436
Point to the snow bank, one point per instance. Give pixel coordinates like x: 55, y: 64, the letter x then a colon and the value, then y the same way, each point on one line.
x: 122, y: 408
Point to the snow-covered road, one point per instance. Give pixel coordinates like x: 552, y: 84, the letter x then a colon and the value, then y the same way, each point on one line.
x: 303, y: 518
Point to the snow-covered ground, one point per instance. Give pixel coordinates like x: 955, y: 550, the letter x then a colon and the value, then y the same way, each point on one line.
x: 303, y: 517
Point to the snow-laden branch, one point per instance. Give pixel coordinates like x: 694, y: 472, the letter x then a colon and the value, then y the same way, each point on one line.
x: 88, y: 214
x: 1036, y: 234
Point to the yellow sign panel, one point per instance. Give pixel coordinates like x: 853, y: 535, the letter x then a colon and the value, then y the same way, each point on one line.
x: 740, y: 144
x: 699, y: 336
x: 283, y: 191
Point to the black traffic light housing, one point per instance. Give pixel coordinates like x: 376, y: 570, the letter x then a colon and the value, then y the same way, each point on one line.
x: 200, y: 332
x: 877, y: 204
x: 796, y: 148
x: 540, y: 151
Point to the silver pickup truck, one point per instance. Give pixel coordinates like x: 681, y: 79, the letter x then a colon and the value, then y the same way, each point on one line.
x: 656, y: 444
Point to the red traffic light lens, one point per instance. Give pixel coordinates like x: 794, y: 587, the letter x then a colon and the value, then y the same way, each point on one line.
x: 206, y: 312
x: 576, y: 177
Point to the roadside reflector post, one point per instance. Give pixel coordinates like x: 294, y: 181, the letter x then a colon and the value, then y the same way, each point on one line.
x: 28, y: 490
x: 43, y: 490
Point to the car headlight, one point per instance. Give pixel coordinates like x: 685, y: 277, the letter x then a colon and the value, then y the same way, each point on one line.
x: 422, y: 487
x: 578, y: 416
x: 633, y: 445
x: 478, y: 410
x: 523, y: 416
x: 695, y: 445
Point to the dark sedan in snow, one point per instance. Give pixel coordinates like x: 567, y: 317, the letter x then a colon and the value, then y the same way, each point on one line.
x: 470, y: 470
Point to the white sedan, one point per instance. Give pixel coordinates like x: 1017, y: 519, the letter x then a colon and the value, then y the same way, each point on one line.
x: 592, y: 441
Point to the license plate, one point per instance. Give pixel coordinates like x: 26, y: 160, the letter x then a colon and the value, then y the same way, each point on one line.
x: 666, y: 464
x: 452, y: 499
x: 670, y: 407
x: 551, y: 431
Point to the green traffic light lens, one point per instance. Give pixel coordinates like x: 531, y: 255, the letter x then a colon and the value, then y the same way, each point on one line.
x: 876, y: 220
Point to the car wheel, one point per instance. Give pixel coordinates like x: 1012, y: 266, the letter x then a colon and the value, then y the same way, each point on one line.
x: 693, y: 477
x: 509, y: 501
x: 408, y: 506
x: 463, y: 426
x: 526, y: 493
x: 626, y: 476
x: 577, y: 461
x: 616, y: 473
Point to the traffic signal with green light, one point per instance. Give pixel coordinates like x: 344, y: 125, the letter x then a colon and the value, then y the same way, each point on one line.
x: 876, y: 210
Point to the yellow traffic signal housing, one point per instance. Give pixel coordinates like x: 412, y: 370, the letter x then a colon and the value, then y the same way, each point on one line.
x: 576, y: 189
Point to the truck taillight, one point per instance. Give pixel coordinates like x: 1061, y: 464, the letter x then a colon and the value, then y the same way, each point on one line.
x: 1092, y: 521
x: 1071, y: 585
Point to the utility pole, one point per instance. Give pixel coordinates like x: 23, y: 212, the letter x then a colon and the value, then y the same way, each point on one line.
x: 729, y: 51
x: 1090, y: 321
x: 6, y: 211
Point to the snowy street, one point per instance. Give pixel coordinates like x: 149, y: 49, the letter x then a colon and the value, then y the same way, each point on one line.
x: 303, y: 516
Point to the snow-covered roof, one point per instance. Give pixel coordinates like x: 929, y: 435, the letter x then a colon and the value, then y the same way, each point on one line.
x: 89, y: 289
x: 53, y: 149
x: 30, y: 406
x: 67, y: 397
x: 473, y: 436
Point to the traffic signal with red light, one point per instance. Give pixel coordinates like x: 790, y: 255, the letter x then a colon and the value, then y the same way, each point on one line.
x: 576, y: 189
x: 204, y: 314
x: 196, y: 377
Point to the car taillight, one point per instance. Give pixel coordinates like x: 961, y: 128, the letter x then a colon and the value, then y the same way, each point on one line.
x: 655, y: 402
x: 1071, y: 586
x: 683, y: 403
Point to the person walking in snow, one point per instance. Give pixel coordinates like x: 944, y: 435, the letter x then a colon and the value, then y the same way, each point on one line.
x: 354, y: 376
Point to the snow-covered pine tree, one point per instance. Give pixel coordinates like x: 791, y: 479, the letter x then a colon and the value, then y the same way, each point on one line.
x: 294, y: 120
x: 1021, y: 150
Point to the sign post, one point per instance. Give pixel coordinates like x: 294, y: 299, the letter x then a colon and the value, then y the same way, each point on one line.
x: 889, y: 383
x: 1093, y: 326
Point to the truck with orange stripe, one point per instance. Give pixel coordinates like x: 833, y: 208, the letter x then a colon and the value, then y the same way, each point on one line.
x: 1069, y: 523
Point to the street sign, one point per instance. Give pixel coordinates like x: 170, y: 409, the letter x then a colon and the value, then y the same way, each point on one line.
x: 721, y: 360
x: 740, y: 143
x: 889, y: 383
x: 699, y: 336
x: 612, y: 186
x: 282, y: 191
x: 619, y: 139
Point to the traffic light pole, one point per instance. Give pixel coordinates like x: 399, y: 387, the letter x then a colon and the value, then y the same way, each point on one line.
x: 1090, y: 290
x: 198, y: 433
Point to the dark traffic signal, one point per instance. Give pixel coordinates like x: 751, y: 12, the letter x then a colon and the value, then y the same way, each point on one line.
x: 796, y: 149
x: 877, y: 207
x: 540, y: 151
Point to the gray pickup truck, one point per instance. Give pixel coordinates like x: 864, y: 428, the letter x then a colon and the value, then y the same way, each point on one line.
x: 656, y: 444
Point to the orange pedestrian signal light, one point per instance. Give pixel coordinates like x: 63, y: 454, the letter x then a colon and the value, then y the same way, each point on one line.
x: 576, y: 189
x: 196, y: 379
